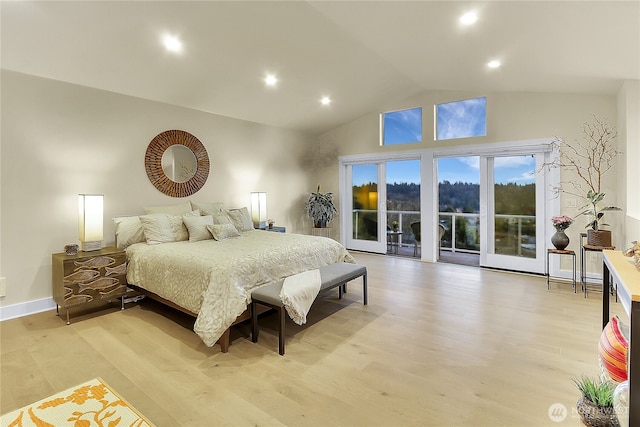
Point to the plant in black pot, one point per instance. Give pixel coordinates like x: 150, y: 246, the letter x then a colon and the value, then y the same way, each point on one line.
x: 320, y: 208
x: 588, y: 158
x: 595, y: 406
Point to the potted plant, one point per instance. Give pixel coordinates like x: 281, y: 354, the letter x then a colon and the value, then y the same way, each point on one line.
x: 595, y: 406
x: 320, y: 208
x: 596, y: 236
x: 395, y: 226
x: 589, y: 158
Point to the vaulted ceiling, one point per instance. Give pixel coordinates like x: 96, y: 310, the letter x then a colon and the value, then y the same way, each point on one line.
x: 363, y: 55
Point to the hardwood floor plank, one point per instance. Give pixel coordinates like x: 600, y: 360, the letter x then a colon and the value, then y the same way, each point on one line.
x: 438, y: 345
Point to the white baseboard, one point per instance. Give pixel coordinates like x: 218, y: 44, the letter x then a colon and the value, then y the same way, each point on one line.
x: 26, y: 308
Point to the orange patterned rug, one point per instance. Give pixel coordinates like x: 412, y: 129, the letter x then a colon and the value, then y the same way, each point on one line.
x: 92, y: 404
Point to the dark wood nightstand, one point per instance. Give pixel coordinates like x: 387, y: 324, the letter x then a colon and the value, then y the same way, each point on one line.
x: 89, y: 277
x: 275, y: 229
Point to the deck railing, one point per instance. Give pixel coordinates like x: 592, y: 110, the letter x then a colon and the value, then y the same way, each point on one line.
x: 467, y: 238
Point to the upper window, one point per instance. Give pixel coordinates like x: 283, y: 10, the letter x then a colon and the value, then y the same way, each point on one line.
x: 401, y: 127
x: 461, y: 119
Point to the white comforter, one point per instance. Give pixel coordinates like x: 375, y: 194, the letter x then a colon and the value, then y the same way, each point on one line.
x: 215, y: 279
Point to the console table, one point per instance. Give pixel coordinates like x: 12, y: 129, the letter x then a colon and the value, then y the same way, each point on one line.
x: 627, y: 280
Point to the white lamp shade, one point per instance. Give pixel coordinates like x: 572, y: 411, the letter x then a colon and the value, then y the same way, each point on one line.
x: 259, y: 207
x: 90, y: 214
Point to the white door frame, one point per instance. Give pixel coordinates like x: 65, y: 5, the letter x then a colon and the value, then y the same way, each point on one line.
x: 346, y: 223
x: 488, y: 257
x: 428, y: 188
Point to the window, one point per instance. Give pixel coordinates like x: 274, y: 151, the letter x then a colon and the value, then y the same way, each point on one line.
x: 461, y: 119
x: 401, y: 127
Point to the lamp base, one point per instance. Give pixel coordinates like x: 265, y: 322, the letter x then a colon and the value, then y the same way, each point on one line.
x: 91, y: 246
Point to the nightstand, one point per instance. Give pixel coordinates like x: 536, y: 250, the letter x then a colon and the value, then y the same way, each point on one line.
x: 276, y: 229
x: 89, y: 277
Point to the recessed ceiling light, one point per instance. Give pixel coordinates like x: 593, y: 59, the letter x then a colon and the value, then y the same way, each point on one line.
x: 468, y: 18
x: 325, y: 100
x: 493, y: 64
x: 172, y: 43
x: 270, y: 80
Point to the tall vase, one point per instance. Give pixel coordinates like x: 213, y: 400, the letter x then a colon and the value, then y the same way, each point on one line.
x: 560, y: 240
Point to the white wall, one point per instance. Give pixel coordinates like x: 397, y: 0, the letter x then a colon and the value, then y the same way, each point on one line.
x: 59, y: 140
x: 510, y: 117
x: 629, y: 137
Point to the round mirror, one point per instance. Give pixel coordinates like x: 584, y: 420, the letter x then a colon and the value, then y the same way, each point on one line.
x: 177, y: 163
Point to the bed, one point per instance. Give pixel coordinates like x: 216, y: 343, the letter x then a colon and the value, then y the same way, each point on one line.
x: 213, y: 279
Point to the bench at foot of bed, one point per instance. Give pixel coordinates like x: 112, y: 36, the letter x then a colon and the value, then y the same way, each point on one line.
x: 331, y: 276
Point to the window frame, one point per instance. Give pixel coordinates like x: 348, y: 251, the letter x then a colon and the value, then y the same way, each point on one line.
x: 436, y: 119
x: 382, y: 127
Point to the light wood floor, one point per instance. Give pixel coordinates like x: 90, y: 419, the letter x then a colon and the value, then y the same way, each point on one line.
x: 438, y: 345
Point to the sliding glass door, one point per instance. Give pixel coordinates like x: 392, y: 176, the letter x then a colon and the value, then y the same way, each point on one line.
x: 382, y: 206
x: 512, y: 200
x: 366, y: 229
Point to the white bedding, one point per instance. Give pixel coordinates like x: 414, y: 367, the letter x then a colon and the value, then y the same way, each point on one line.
x: 215, y: 278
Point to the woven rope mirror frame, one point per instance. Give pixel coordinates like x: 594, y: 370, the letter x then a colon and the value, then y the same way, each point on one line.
x: 153, y: 163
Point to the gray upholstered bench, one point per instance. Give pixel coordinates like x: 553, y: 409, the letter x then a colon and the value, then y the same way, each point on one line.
x: 331, y: 276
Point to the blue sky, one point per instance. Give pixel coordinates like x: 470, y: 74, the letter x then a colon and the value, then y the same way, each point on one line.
x: 462, y: 119
x: 402, y: 127
x: 516, y: 169
x: 457, y: 119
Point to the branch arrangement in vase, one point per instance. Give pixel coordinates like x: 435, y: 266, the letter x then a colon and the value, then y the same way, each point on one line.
x: 589, y: 158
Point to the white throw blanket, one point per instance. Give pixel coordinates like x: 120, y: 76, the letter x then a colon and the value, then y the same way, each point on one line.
x: 298, y: 293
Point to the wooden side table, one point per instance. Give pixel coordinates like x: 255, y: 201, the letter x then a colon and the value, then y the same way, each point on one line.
x: 561, y: 252
x: 584, y: 248
x: 275, y: 229
x: 89, y: 277
x: 394, y: 239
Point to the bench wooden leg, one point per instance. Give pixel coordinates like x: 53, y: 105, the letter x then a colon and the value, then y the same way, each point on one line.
x: 254, y: 323
x: 364, y: 288
x: 281, y: 319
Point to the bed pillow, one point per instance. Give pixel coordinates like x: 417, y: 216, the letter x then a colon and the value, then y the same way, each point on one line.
x: 158, y: 228
x: 241, y: 219
x: 179, y: 210
x: 222, y: 218
x: 128, y: 231
x: 208, y: 208
x: 223, y: 231
x: 180, y: 232
x: 613, y: 348
x: 197, y: 226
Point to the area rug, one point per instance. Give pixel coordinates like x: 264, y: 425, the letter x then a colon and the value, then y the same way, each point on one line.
x: 92, y: 404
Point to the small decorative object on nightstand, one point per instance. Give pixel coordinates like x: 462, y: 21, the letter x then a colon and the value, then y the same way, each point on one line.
x: 71, y: 250
x: 276, y: 229
x: 89, y: 277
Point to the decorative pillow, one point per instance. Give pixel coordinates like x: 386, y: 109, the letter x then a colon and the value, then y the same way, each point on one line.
x: 128, y: 231
x: 197, y: 226
x: 180, y: 232
x: 223, y: 231
x: 241, y: 219
x: 222, y: 218
x: 613, y: 349
x: 179, y: 210
x: 157, y: 228
x: 208, y: 208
